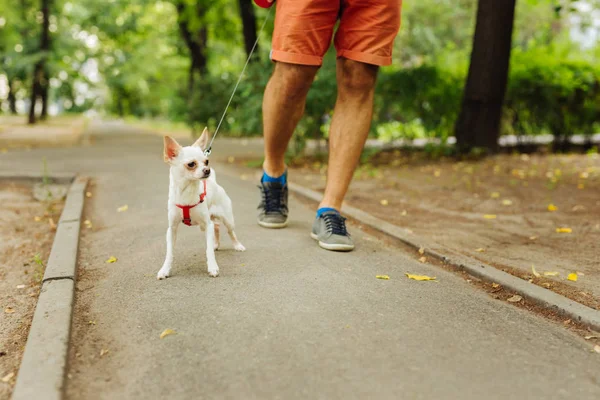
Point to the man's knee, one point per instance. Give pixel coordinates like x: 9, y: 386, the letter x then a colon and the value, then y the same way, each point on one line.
x: 356, y: 78
x: 294, y: 80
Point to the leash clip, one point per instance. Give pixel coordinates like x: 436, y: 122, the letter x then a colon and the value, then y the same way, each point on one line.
x: 207, y: 152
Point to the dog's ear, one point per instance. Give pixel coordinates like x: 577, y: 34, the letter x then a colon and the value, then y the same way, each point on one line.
x: 202, y: 141
x: 171, y: 150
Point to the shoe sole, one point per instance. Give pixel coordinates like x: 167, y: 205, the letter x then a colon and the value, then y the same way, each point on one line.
x: 272, y: 225
x: 332, y: 247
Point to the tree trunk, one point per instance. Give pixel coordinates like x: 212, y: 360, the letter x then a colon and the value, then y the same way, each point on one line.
x: 478, y: 124
x: 44, y: 98
x: 35, y: 91
x: 39, y: 72
x: 248, y: 24
x: 12, y: 98
x: 194, y: 40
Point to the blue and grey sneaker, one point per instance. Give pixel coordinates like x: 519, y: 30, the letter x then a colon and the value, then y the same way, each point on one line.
x: 273, y: 207
x: 329, y: 229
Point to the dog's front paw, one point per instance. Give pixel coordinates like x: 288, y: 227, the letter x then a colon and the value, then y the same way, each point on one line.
x: 213, y: 272
x: 239, y: 247
x: 162, y: 274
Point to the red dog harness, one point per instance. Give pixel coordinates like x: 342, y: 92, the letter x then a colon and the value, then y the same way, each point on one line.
x: 186, y: 209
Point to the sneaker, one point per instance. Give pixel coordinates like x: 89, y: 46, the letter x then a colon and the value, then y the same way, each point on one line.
x: 273, y: 208
x: 330, y: 231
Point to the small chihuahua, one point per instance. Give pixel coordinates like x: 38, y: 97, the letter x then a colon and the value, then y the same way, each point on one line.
x: 195, y: 198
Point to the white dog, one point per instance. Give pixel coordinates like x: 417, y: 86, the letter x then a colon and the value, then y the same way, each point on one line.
x: 195, y: 198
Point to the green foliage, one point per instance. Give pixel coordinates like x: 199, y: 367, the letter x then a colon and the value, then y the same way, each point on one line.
x: 548, y: 92
x: 425, y: 100
x: 142, y: 66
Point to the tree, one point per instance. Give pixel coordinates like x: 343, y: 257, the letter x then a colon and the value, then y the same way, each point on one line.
x: 248, y: 25
x: 40, y: 72
x: 478, y: 124
x: 195, y: 35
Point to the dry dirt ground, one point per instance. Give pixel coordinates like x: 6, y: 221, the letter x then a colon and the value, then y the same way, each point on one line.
x: 27, y: 229
x: 55, y: 132
x: 511, y: 211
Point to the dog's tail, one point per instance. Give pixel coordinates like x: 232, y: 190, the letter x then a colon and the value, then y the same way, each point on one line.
x: 213, y: 175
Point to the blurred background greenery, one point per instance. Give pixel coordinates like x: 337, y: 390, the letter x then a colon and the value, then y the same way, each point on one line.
x: 178, y: 61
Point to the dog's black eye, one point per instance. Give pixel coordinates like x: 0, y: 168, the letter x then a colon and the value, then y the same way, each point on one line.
x: 191, y: 164
x: 206, y: 162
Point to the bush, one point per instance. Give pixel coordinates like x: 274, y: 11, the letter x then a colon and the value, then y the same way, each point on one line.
x: 425, y: 100
x: 547, y: 93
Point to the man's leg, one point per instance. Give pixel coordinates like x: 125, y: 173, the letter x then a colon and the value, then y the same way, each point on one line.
x: 283, y: 106
x: 347, y: 136
x: 349, y: 127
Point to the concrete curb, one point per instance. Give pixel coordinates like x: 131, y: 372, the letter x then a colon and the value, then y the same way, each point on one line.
x: 42, y: 371
x: 541, y: 296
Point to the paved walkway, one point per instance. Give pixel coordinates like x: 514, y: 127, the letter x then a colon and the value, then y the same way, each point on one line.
x: 285, y: 320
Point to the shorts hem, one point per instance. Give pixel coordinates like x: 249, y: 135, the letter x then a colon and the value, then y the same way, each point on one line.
x: 365, y: 57
x: 295, y: 58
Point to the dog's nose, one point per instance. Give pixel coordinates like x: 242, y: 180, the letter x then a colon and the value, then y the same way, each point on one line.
x: 206, y: 171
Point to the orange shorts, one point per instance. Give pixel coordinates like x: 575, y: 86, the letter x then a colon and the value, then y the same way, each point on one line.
x: 366, y: 33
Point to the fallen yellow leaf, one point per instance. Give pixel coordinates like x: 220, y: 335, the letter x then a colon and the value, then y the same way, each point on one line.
x: 591, y: 337
x: 572, y: 277
x: 404, y: 213
x: 535, y: 273
x: 384, y: 277
x: 91, y: 322
x: 87, y: 223
x: 480, y: 250
x: 167, y: 332
x: 103, y: 352
x: 489, y: 216
x: 9, y: 310
x: 564, y: 230
x: 384, y: 202
x: 423, y: 259
x: 422, y: 251
x: 552, y: 207
x: 420, y: 277
x: 37, y: 219
x: 550, y: 273
x: 494, y: 195
x: 514, y: 299
x: 8, y: 377
x: 112, y: 259
x: 533, y: 237
x: 88, y: 194
x: 123, y: 208
x: 495, y: 285
x: 507, y: 202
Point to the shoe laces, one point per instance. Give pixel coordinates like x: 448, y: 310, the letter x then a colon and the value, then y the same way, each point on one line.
x: 273, y: 198
x: 335, y: 223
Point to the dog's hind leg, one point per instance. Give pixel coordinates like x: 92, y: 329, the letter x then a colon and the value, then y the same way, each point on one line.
x: 217, y: 236
x: 229, y: 224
